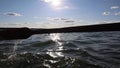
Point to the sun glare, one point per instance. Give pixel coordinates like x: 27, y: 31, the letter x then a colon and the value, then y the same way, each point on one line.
x: 55, y: 3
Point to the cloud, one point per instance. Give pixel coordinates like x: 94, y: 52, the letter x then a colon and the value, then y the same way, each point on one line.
x: 61, y: 20
x: 63, y: 7
x: 64, y: 19
x: 106, y: 13
x: 36, y: 17
x: 114, y: 7
x: 110, y: 21
x: 12, y: 14
x: 70, y: 21
x: 117, y: 14
x: 109, y: 13
x: 57, y: 18
x: 64, y: 22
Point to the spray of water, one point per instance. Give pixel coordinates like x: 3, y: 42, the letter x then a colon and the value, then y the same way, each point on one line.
x: 15, y: 47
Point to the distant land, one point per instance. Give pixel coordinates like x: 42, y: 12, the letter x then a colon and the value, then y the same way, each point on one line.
x: 23, y: 33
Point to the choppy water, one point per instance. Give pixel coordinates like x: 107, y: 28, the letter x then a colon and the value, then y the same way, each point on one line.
x: 73, y: 50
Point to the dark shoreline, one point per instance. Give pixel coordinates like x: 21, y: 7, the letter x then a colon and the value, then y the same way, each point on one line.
x: 23, y: 33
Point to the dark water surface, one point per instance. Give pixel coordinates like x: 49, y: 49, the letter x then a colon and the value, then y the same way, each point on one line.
x: 62, y: 50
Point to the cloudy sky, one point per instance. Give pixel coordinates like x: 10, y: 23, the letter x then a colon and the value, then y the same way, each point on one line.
x: 57, y: 13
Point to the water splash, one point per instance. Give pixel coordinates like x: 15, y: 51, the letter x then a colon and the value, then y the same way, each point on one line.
x: 15, y: 47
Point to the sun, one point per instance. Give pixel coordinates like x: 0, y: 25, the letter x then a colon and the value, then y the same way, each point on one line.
x: 54, y: 3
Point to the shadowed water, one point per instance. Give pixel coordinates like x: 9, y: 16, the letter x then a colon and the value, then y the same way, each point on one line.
x: 62, y: 50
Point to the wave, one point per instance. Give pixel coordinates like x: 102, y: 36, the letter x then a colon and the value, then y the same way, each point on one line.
x: 75, y: 50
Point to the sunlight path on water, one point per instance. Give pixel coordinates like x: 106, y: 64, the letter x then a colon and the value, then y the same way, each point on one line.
x: 56, y: 52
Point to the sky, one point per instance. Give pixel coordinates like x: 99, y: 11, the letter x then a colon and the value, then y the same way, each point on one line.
x: 57, y: 13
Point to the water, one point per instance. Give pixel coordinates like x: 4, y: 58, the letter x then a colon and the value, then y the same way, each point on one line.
x: 62, y: 50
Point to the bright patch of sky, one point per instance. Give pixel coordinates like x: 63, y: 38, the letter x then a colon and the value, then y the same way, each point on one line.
x: 57, y: 13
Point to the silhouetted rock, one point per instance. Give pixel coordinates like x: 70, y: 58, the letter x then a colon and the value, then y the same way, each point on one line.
x: 15, y: 33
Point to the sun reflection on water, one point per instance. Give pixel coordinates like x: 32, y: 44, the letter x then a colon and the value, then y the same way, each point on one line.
x: 56, y: 52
